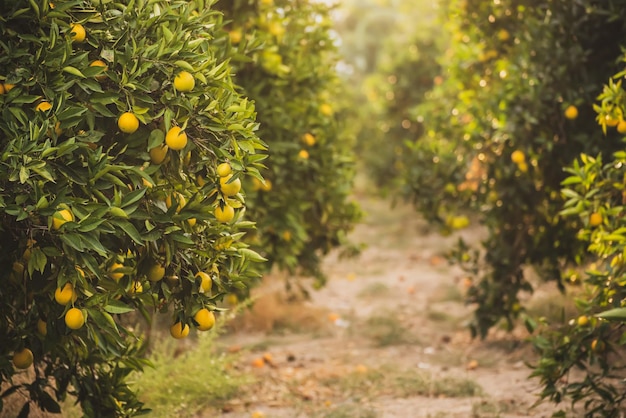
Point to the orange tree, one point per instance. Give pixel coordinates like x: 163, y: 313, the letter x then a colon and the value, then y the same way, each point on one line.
x: 595, y: 193
x: 285, y: 62
x: 513, y: 108
x: 115, y: 119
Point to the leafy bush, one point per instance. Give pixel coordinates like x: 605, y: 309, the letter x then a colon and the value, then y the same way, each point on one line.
x: 97, y: 218
x: 286, y: 62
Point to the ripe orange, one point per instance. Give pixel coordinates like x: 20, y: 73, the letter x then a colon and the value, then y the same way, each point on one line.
x: 326, y: 109
x: 228, y: 187
x: 304, y: 154
x: 158, y: 154
x: 582, y: 321
x: 113, y: 273
x: 610, y: 121
x: 23, y: 359
x: 65, y: 295
x: 128, y: 123
x: 571, y: 112
x: 99, y: 63
x: 135, y: 287
x: 225, y: 214
x: 78, y: 32
x: 184, y: 81
x: 61, y: 217
x: 235, y: 36
x: 179, y: 330
x: 43, y: 106
x: 621, y: 127
x: 2, y: 88
x: 224, y: 169
x: 8, y: 87
x: 308, y: 139
x: 74, y: 318
x: 156, y: 272
x: 205, y: 282
x: 205, y: 319
x: 518, y: 157
x: 598, y: 346
x: 595, y: 219
x: 42, y: 327
x: 176, y: 198
x: 176, y: 139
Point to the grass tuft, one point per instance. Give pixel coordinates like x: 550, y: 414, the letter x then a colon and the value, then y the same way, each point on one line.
x: 196, y: 380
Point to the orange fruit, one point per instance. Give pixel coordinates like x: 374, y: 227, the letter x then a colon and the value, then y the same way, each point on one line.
x: 42, y: 327
x: 582, y: 321
x: 23, y: 359
x: 158, y: 154
x: 595, y: 219
x: 225, y: 214
x: 308, y: 139
x: 113, y: 273
x: 61, y: 217
x: 184, y: 81
x: 518, y: 157
x: 205, y: 282
x: 205, y: 319
x: 224, y: 169
x: 571, y: 112
x: 8, y: 87
x: 43, y: 106
x: 99, y: 63
x: 621, y: 127
x: 179, y: 330
x: 175, y: 138
x: 128, y: 123
x: 64, y: 295
x: 156, y: 272
x: 74, y: 318
x: 303, y: 154
x: 228, y: 187
x: 78, y: 32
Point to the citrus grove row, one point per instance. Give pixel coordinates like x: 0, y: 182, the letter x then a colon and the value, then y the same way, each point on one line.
x: 157, y: 156
x: 519, y: 126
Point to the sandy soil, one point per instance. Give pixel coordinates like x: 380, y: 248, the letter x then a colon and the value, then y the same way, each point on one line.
x: 384, y: 338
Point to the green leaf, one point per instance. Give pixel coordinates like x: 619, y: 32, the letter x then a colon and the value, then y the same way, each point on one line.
x: 252, y: 255
x: 74, y: 71
x: 617, y: 314
x: 117, y: 307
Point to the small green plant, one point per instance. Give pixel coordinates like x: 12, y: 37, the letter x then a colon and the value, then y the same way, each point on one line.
x: 386, y: 329
x: 195, y: 380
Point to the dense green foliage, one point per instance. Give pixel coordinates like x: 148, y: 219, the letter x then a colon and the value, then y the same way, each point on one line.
x: 84, y: 203
x: 286, y: 64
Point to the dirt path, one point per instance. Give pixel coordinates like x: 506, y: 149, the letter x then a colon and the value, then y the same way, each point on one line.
x: 384, y: 338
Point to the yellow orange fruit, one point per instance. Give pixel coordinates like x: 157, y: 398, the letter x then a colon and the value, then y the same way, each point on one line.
x: 64, y: 295
x: 595, y: 219
x: 235, y: 36
x: 78, y: 32
x: 179, y: 330
x: 571, y: 112
x: 621, y: 127
x: 176, y: 198
x: 225, y: 214
x: 23, y: 359
x: 610, y: 121
x: 42, y: 327
x: 74, y: 318
x: 176, y: 138
x: 184, y: 81
x: 598, y: 346
x: 43, y: 106
x: 232, y: 299
x: 205, y: 319
x: 156, y: 272
x: 308, y: 139
x: 326, y: 109
x: 2, y: 91
x: 224, y: 169
x: 100, y: 63
x: 61, y: 217
x: 158, y: 154
x: 582, y: 321
x: 205, y: 282
x: 8, y: 87
x: 229, y: 187
x: 113, y: 273
x: 128, y: 123
x: 303, y: 154
x: 518, y: 157
x: 135, y: 287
